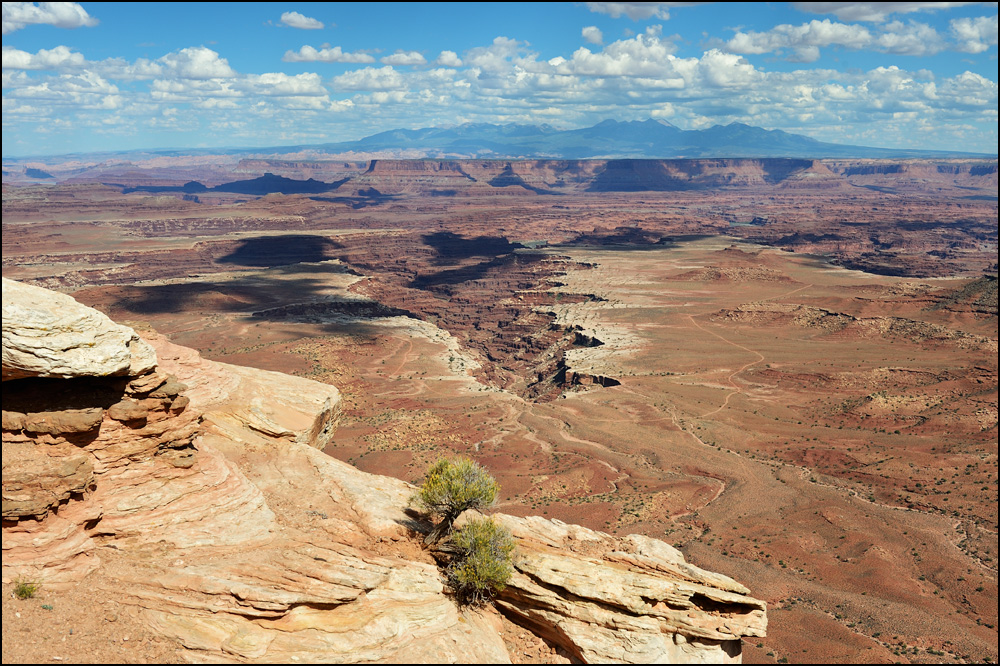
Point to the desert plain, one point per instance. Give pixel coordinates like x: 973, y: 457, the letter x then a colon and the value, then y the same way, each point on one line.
x: 786, y: 368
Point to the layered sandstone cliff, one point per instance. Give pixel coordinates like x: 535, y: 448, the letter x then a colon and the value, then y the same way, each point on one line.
x: 265, y: 548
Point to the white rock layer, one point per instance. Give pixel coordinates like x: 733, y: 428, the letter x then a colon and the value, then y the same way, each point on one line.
x: 48, y: 334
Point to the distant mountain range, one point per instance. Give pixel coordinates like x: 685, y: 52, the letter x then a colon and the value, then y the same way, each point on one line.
x: 608, y: 139
x: 611, y: 139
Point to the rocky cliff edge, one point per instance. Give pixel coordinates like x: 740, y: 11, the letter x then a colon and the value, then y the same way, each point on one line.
x: 236, y: 536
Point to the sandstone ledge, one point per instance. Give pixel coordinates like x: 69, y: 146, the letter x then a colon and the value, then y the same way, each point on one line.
x: 47, y: 334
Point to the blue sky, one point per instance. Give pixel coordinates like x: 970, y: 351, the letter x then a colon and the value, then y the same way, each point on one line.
x: 83, y: 77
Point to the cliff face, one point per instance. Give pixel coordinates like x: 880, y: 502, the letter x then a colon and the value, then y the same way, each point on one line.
x: 484, y: 177
x: 667, y: 175
x: 380, y: 180
x: 916, y: 173
x: 553, y: 177
x: 268, y: 550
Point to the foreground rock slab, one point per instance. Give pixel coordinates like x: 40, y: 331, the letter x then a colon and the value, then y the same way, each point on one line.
x: 624, y: 600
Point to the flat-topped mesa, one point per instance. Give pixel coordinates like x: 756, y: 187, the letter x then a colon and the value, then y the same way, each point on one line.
x: 383, y: 178
x: 616, y: 175
x: 666, y: 175
x: 423, y: 177
x: 269, y: 550
x: 915, y: 169
x: 327, y: 170
x: 446, y: 168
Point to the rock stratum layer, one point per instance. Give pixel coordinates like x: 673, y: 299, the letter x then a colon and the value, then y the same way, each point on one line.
x: 264, y: 548
x: 380, y: 178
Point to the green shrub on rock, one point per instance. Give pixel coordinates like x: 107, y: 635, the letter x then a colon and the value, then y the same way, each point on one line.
x: 452, y: 487
x: 484, y: 560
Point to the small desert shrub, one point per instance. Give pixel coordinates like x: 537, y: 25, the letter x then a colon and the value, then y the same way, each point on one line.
x: 452, y: 487
x: 483, y: 561
x: 25, y: 588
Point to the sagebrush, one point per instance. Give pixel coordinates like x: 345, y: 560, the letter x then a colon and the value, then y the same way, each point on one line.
x: 484, y: 561
x: 452, y: 487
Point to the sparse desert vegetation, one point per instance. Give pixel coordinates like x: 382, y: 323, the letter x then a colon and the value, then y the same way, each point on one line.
x: 482, y: 565
x: 451, y: 488
x: 25, y: 588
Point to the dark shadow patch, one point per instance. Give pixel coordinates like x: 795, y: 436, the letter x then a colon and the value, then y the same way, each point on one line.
x: 440, y: 281
x: 452, y: 248
x: 642, y: 175
x: 72, y: 409
x: 714, y: 607
x: 357, y: 309
x: 301, y: 298
x: 243, y: 295
x: 271, y: 184
x: 272, y: 251
x: 638, y: 176
x: 874, y: 170
x: 619, y: 236
x: 798, y: 238
x: 978, y: 296
x: 878, y: 188
x: 190, y: 187
x: 368, y: 196
x: 35, y: 394
x: 246, y: 294
x: 266, y: 184
x: 170, y: 298
x: 507, y: 178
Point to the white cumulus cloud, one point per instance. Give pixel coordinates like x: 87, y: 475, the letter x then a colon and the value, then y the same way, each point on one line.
x: 196, y: 62
x: 192, y: 90
x: 279, y: 84
x: 975, y: 35
x: 404, y: 58
x: 17, y: 15
x: 84, y: 90
x: 969, y: 90
x: 805, y: 41
x: 496, y: 56
x: 326, y: 54
x: 593, y: 35
x: 448, y: 59
x: 381, y: 79
x: 296, y: 20
x: 60, y: 56
x: 726, y: 70
x: 645, y: 55
x: 911, y: 38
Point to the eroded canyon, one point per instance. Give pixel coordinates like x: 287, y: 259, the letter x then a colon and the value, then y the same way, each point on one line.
x: 786, y: 368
